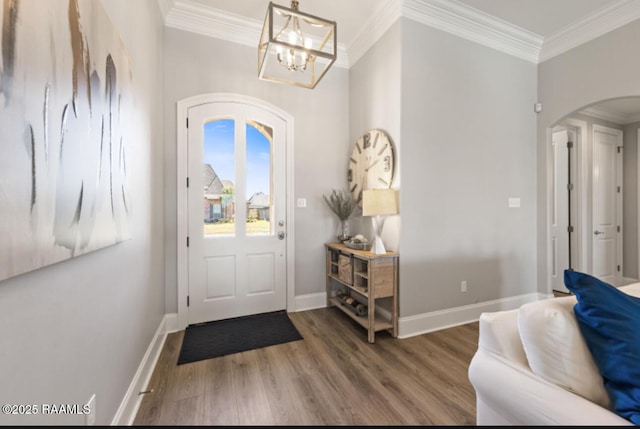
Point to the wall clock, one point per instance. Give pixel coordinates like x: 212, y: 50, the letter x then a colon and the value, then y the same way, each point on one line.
x: 372, y: 163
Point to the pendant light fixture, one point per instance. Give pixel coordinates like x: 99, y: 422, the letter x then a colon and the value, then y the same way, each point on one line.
x: 295, y: 48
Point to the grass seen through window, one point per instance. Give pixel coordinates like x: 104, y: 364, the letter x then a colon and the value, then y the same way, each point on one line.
x: 253, y: 227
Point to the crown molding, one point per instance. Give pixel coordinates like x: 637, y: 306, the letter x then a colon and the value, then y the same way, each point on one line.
x: 207, y: 21
x: 450, y: 16
x: 592, y: 26
x: 472, y: 24
x: 373, y: 29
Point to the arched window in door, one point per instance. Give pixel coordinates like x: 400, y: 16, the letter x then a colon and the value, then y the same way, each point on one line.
x: 221, y: 151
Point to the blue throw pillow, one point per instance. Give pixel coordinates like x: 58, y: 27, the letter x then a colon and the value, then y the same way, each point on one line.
x: 609, y: 320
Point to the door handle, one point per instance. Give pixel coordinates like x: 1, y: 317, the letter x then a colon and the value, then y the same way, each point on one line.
x: 281, y: 235
x: 598, y: 232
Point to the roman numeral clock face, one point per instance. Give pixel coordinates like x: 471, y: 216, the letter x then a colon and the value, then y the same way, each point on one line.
x: 371, y: 163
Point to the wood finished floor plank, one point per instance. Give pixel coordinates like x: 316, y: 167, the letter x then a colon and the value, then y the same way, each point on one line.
x: 367, y: 372
x: 331, y: 377
x: 221, y: 408
x: 249, y: 391
x: 287, y: 403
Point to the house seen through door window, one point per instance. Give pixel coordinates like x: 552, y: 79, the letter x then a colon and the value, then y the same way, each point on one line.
x: 222, y: 150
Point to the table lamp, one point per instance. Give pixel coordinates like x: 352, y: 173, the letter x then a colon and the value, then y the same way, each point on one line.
x: 378, y: 203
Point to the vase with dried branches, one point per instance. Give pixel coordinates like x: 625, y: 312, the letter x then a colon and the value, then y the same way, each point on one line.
x: 342, y: 203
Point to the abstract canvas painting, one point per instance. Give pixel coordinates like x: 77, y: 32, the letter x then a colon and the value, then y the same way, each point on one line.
x: 65, y: 107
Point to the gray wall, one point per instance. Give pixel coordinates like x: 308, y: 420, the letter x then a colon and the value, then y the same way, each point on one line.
x: 196, y: 64
x: 468, y: 145
x: 602, y: 69
x: 375, y: 89
x: 82, y: 326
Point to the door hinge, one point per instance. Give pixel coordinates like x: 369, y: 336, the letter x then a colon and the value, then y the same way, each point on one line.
x: 569, y: 145
x: 619, y: 149
x: 187, y: 122
x: 187, y: 300
x: 570, y: 228
x: 618, y: 267
x: 187, y: 182
x: 618, y: 228
x: 187, y: 241
x: 570, y: 187
x: 618, y: 189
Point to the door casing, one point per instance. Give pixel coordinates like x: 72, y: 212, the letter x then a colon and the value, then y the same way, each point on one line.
x: 618, y: 236
x: 583, y: 217
x: 580, y: 212
x: 182, y: 199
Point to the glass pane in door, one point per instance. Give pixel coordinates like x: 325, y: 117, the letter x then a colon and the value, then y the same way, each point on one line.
x: 218, y: 177
x: 259, y: 138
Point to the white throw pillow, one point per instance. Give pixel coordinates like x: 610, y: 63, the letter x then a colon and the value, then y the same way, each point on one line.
x: 556, y: 350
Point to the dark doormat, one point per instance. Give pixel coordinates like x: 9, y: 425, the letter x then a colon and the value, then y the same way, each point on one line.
x: 224, y: 337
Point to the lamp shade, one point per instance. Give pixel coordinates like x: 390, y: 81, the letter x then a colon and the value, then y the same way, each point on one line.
x: 377, y: 202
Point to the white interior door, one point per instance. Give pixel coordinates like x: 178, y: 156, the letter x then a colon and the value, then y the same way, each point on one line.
x: 236, y: 211
x: 607, y: 205
x: 559, y: 210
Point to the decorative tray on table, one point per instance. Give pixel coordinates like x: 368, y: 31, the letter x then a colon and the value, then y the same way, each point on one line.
x: 362, y: 245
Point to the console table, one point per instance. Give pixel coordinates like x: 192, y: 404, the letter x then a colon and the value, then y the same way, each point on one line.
x: 365, y: 277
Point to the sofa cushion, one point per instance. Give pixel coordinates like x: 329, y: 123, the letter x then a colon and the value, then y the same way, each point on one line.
x: 556, y: 350
x: 609, y: 320
x: 499, y: 335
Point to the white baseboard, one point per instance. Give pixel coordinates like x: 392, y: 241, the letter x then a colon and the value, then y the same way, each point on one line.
x: 434, y: 321
x: 310, y: 301
x: 131, y: 402
x: 442, y: 319
x: 171, y: 323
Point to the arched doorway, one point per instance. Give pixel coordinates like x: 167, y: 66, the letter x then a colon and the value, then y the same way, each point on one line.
x: 592, y: 194
x: 235, y: 164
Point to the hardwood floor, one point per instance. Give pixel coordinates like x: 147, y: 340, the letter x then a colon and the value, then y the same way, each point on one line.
x: 332, y: 377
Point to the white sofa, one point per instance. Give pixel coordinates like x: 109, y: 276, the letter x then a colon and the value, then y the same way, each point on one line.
x: 533, y: 367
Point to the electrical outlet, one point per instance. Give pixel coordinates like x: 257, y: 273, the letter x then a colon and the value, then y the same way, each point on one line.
x: 463, y: 286
x: 90, y: 417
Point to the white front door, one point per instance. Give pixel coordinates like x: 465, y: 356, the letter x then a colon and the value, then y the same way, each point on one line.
x: 607, y: 205
x: 236, y: 211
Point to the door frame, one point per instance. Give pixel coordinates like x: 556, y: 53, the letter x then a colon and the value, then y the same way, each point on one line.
x: 582, y: 186
x: 183, y: 107
x: 619, y: 198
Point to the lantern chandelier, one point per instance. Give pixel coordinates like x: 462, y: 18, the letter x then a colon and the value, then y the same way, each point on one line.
x: 295, y: 48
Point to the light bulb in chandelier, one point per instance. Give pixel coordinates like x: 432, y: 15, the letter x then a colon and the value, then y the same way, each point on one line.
x: 296, y: 60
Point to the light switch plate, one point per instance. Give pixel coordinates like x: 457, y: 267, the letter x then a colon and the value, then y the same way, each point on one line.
x: 514, y: 202
x: 302, y: 202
